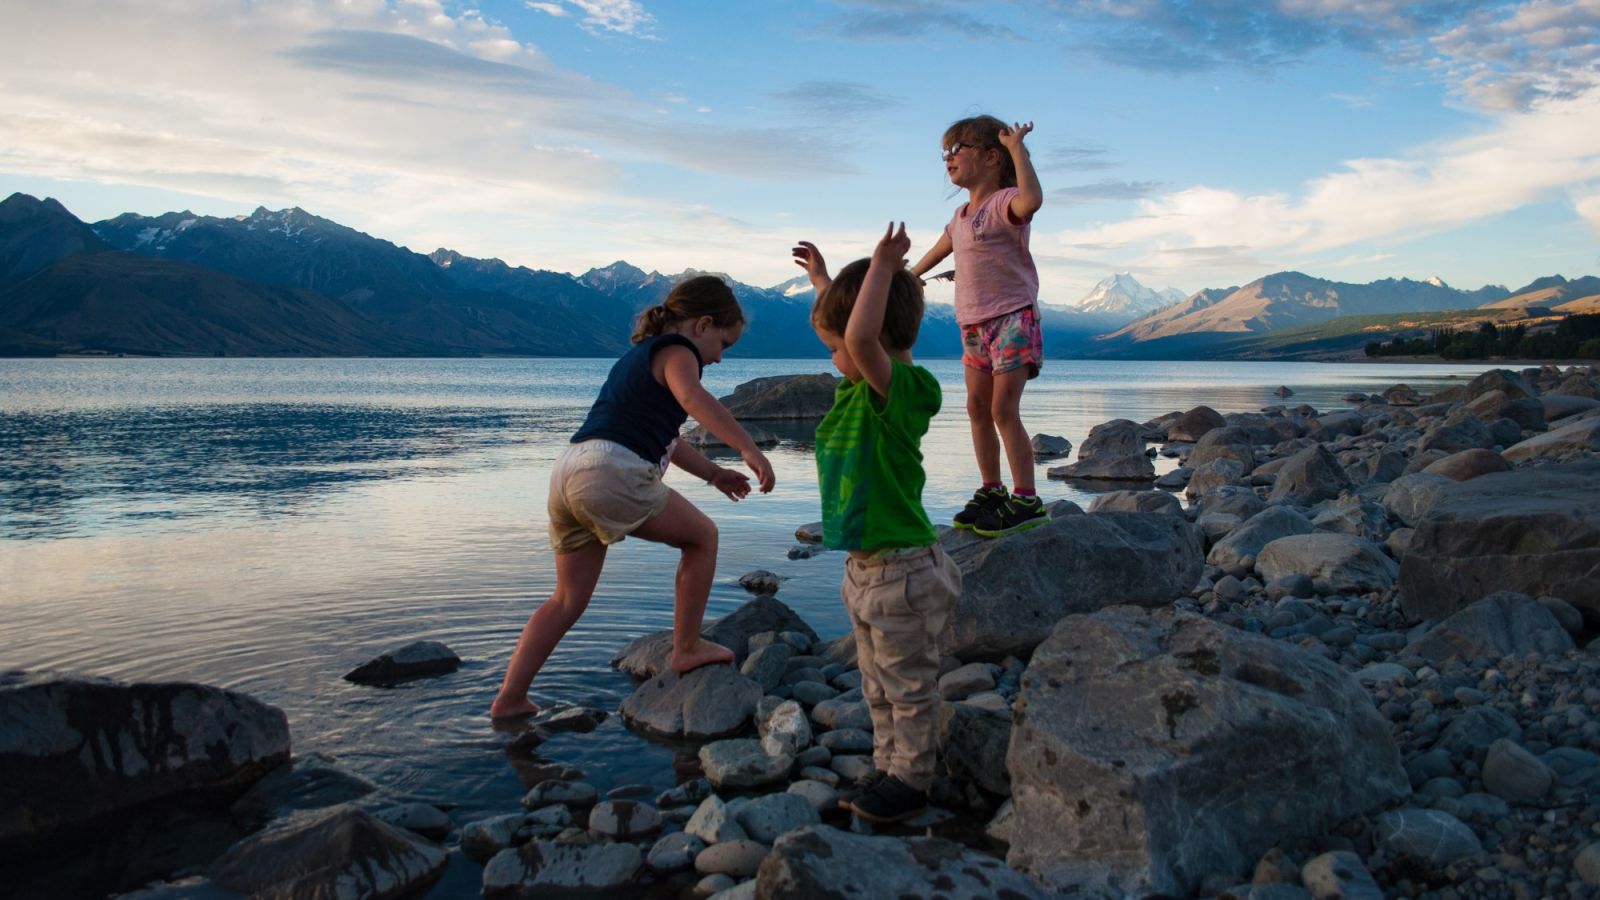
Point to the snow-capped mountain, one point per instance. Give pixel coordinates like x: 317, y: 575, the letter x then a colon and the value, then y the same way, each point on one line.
x: 1122, y: 295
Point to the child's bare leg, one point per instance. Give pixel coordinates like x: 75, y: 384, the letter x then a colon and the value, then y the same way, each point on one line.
x: 576, y: 575
x: 985, y: 443
x: 1005, y: 410
x: 683, y: 526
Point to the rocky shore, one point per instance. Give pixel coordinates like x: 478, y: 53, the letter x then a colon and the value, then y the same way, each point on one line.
x: 1347, y: 653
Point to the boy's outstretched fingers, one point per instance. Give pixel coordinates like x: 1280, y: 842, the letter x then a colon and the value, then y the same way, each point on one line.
x: 758, y: 464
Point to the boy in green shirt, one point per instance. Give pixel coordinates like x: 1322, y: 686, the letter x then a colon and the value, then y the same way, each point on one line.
x: 899, y: 586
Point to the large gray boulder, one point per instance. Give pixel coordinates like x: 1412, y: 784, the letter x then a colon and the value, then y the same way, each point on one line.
x: 1504, y: 623
x: 1338, y: 563
x: 707, y: 703
x: 1259, y: 530
x: 1152, y: 749
x: 1566, y: 441
x: 1014, y: 589
x: 1195, y: 424
x: 1233, y: 442
x: 1507, y: 382
x: 783, y: 397
x: 1310, y: 476
x: 823, y: 863
x: 75, y: 748
x: 644, y: 657
x: 1113, y: 451
x: 972, y: 745
x: 1535, y: 531
x: 338, y: 852
x: 1461, y: 430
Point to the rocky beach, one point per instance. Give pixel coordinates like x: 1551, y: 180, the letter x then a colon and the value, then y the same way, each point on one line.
x: 1333, y: 653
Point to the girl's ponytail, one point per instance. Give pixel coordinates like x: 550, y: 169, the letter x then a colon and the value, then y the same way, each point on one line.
x: 691, y: 298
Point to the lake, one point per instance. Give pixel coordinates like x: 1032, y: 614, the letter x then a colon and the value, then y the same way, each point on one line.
x: 267, y: 525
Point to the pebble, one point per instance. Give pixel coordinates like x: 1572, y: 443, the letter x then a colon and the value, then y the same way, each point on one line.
x: 738, y: 859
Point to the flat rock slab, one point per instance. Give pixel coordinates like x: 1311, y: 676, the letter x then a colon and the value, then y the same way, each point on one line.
x: 1340, y: 563
x: 544, y: 868
x: 338, y: 852
x: 708, y: 703
x: 74, y: 748
x: 649, y: 655
x: 821, y: 862
x: 1133, y: 727
x: 743, y: 764
x: 417, y: 659
x: 1535, y: 531
x: 1501, y: 624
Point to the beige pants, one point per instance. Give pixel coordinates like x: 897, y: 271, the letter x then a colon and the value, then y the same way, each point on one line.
x: 898, y: 604
x: 601, y: 491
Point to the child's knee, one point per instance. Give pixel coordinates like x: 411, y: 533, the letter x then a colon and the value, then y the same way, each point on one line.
x: 977, y: 406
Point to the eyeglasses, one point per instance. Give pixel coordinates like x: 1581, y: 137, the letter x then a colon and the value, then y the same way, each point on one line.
x: 950, y: 154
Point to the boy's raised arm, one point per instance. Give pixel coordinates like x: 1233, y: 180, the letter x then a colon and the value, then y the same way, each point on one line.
x: 861, y: 335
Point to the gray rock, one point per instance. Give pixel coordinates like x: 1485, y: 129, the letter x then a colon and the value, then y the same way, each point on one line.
x: 712, y: 885
x: 566, y: 793
x: 1229, y: 442
x: 1215, y: 474
x: 1502, y: 624
x: 1348, y: 564
x: 1113, y: 451
x: 810, y: 533
x: 1260, y: 529
x: 1176, y: 479
x: 843, y: 711
x: 1565, y: 613
x: 760, y: 582
x: 1587, y: 863
x: 785, y: 730
x: 707, y: 703
x: 690, y: 793
x: 624, y: 819
x: 1382, y: 467
x: 1353, y: 515
x: 1228, y: 724
x: 813, y: 692
x: 847, y: 740
x: 1560, y: 406
x: 766, y: 666
x: 973, y: 742
x: 1512, y: 773
x: 133, y: 743
x: 852, y: 768
x: 1308, y: 476
x: 1426, y: 836
x: 646, y: 656
x: 713, y: 823
x: 1339, y: 875
x: 337, y: 852
x: 543, y: 868
x: 736, y: 859
x: 818, y: 861
x: 1461, y: 430
x: 419, y: 818
x: 1136, y: 502
x: 1195, y: 424
x: 783, y: 397
x: 970, y: 679
x: 765, y: 818
x: 1557, y: 443
x: 674, y: 853
x: 701, y: 438
x: 1410, y: 497
x: 1535, y: 531
x: 1049, y: 446
x: 415, y: 660
x: 822, y: 796
x: 309, y: 781
x: 744, y: 890
x: 1468, y: 464
x: 742, y: 764
x: 482, y: 839
x: 1015, y: 588
x: 1476, y: 729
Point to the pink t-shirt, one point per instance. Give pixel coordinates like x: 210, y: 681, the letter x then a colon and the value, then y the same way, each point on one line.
x: 994, y: 270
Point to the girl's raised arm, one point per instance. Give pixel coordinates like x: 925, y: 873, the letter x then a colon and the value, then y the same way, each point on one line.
x: 1029, y: 195
x: 682, y: 375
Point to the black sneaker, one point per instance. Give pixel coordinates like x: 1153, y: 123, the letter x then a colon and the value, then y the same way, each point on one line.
x: 890, y: 800
x: 982, y: 499
x: 849, y: 795
x: 1017, y: 514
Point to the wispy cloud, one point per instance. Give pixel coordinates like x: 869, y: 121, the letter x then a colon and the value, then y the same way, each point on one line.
x: 1105, y: 189
x: 908, y: 20
x: 625, y: 17
x: 832, y: 100
x: 1075, y: 158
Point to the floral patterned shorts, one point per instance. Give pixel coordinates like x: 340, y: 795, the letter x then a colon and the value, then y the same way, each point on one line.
x: 1004, y: 343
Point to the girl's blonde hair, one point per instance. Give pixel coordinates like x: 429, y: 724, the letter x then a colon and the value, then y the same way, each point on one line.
x: 983, y: 133
x: 691, y: 298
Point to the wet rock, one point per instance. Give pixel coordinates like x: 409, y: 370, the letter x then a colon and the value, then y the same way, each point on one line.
x: 819, y: 861
x: 1232, y: 724
x: 701, y: 438
x: 765, y: 818
x: 566, y: 793
x: 647, y: 656
x: 419, y: 818
x: 309, y: 781
x: 338, y: 852
x: 1049, y: 446
x: 624, y: 819
x: 707, y: 703
x: 783, y: 397
x: 1176, y: 479
x: 542, y: 868
x: 1113, y: 451
x: 742, y: 764
x: 1015, y: 588
x: 75, y: 748
x: 417, y: 659
x: 760, y: 582
x: 1346, y: 564
x: 810, y: 533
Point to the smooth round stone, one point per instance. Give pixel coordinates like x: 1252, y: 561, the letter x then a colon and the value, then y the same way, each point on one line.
x: 823, y: 797
x: 712, y: 885
x: 811, y: 692
x: 674, y: 853
x: 765, y: 818
x: 1425, y: 835
x: 739, y: 859
x: 1512, y: 773
x: 847, y: 740
x: 850, y: 680
x: 817, y: 773
x: 1587, y: 864
x: 423, y: 818
x: 813, y: 756
x: 571, y: 793
x: 853, y: 768
x: 624, y: 819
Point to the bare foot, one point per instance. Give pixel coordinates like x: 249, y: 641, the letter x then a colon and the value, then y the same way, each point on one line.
x: 703, y: 653
x: 507, y: 709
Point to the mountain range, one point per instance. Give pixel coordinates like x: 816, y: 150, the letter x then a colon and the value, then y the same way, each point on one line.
x: 287, y: 283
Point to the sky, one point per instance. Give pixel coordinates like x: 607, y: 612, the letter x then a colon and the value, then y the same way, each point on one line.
x: 1196, y: 144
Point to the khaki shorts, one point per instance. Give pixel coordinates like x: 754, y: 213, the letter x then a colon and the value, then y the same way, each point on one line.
x: 601, y: 491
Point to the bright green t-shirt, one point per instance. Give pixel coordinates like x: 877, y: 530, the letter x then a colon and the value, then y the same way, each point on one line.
x: 869, y: 462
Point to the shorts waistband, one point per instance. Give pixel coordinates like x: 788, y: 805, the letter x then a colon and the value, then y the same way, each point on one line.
x: 896, y: 555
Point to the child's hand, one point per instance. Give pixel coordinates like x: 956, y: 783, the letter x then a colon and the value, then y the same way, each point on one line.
x: 892, y: 249
x: 757, y: 461
x: 736, y: 485
x: 1011, y: 138
x: 808, y: 257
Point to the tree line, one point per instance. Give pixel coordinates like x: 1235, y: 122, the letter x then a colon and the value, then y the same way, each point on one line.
x: 1575, y: 337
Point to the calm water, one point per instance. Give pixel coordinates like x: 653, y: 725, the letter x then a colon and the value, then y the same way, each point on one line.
x: 267, y: 525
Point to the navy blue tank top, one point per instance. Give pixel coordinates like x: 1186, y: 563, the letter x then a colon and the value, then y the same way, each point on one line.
x: 634, y: 409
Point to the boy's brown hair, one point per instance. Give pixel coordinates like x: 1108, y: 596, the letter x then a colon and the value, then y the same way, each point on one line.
x: 983, y: 133
x: 902, y: 317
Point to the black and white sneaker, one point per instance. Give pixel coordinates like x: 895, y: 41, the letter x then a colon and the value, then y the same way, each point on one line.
x: 1016, y: 514
x: 890, y: 800
x: 982, y: 499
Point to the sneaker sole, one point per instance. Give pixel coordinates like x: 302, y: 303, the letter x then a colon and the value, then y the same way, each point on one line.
x: 1020, y: 526
x: 887, y: 820
x: 964, y: 526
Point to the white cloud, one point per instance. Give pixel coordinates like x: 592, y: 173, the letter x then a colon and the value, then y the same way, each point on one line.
x: 620, y: 16
x: 1588, y: 208
x: 554, y: 9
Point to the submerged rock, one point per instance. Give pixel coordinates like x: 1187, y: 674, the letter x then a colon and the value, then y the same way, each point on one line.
x: 709, y: 702
x: 417, y: 659
x: 338, y: 852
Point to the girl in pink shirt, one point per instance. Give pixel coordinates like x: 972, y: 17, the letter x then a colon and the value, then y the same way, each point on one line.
x: 997, y: 291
